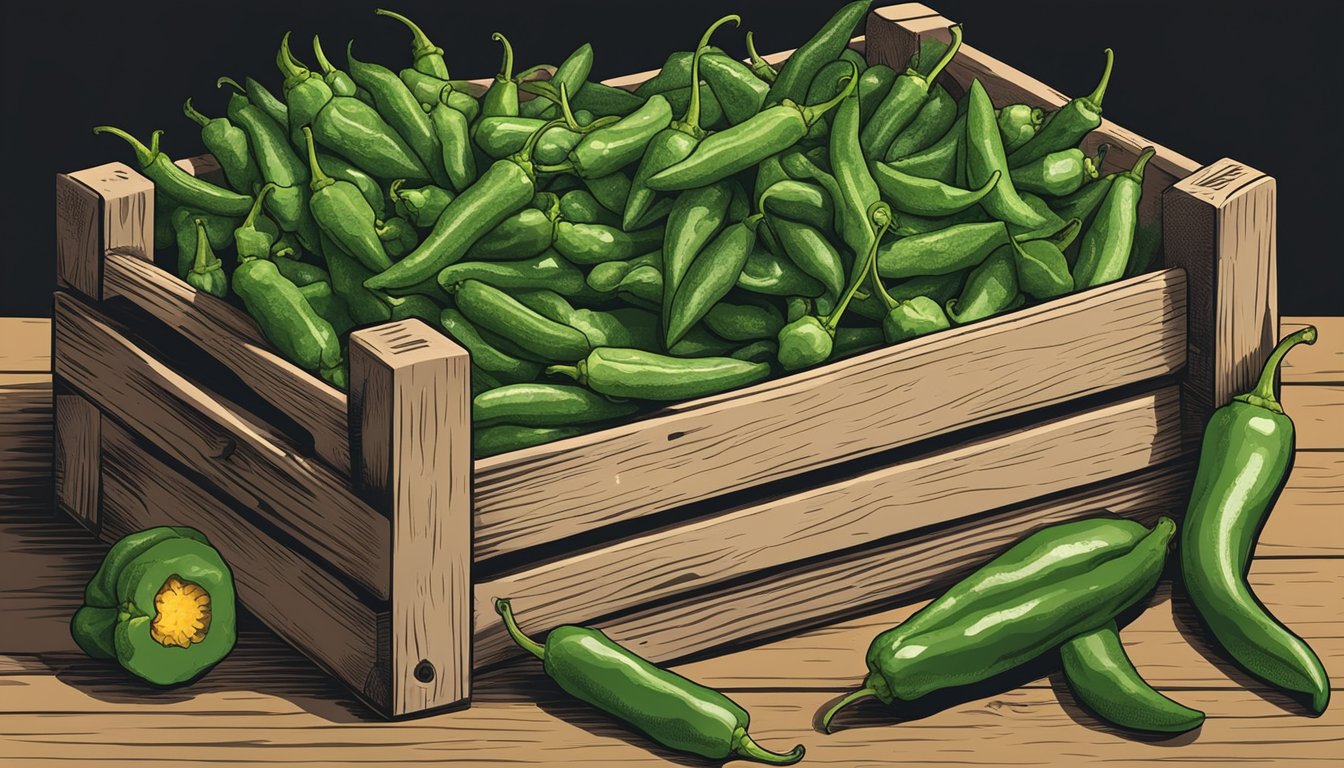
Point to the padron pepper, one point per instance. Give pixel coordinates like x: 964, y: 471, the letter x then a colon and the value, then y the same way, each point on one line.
x: 930, y: 124
x: 641, y: 375
x: 1103, y: 678
x: 607, y: 149
x: 571, y: 75
x: 903, y: 102
x: 421, y: 206
x: 710, y: 276
x: 1244, y: 461
x: 740, y: 91
x: 668, y: 708
x: 1066, y: 127
x: 1018, y: 123
x: 1058, y: 173
x: 427, y: 57
x: 985, y: 157
x: 177, y: 183
x: 343, y: 214
x: 822, y: 48
x: 228, y: 143
x: 1054, y: 585
x: 207, y: 271
x: 545, y: 405
x: 1106, y: 246
x: 161, y: 604
x: 338, y: 80
x: 401, y: 109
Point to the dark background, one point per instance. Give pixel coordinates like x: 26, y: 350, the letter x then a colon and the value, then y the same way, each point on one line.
x: 1260, y: 85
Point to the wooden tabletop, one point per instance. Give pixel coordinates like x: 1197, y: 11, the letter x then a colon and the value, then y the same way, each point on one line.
x: 266, y: 704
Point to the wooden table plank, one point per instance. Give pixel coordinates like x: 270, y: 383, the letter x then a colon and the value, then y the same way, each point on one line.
x: 25, y: 439
x: 1320, y: 363
x: 1317, y: 412
x: 1306, y: 519
x: 25, y: 345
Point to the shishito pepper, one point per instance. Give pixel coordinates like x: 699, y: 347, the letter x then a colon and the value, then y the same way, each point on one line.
x: 161, y: 604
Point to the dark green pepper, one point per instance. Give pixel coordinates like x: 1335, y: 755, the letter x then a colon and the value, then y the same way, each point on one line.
x: 207, y: 271
x: 697, y: 216
x: 1066, y: 127
x: 991, y: 289
x: 939, y: 160
x: 1058, y: 173
x: 1018, y: 123
x: 339, y: 81
x: 798, y: 201
x: 640, y: 375
x: 812, y: 252
x: 452, y: 133
x: 397, y: 236
x: 985, y: 157
x: 523, y: 235
x: 1246, y: 455
x: 918, y: 316
x: 401, y: 109
x: 492, y: 309
x: 606, y: 101
x: 824, y: 47
x: 421, y: 206
x: 942, y: 251
x: 903, y: 102
x: 1108, y: 242
x: 930, y: 124
x: 771, y: 275
x: 744, y: 322
x: 927, y: 197
x: 580, y: 207
x: 506, y: 367
x: 588, y: 244
x: 177, y: 183
x: 548, y: 270
x: 427, y: 57
x: 1105, y: 681
x: 545, y: 405
x: 288, y: 321
x: 739, y: 91
x: 1042, y: 270
x: 162, y: 604
x: 710, y: 276
x: 228, y: 143
x: 344, y: 215
x: 608, y: 149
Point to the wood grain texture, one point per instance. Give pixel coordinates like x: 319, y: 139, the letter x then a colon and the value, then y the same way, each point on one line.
x: 98, y: 210
x: 1319, y: 363
x: 25, y: 439
x: 25, y: 345
x: 937, y: 489
x: 1306, y: 520
x: 228, y: 335
x: 410, y: 418
x: 1318, y: 415
x: 1219, y: 225
x: 77, y: 453
x: 202, y: 166
x: 223, y: 443
x: 1116, y: 335
x: 847, y: 584
x: 299, y: 601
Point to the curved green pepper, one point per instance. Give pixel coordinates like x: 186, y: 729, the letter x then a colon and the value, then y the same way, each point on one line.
x: 640, y: 375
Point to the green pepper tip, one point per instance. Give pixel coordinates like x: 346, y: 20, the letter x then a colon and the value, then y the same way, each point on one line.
x: 506, y: 67
x: 848, y: 699
x: 1094, y: 98
x: 144, y: 154
x: 224, y: 80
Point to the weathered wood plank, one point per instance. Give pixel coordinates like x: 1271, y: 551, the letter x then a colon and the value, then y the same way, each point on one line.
x: 992, y: 473
x: 1319, y: 363
x: 98, y: 210
x: 410, y: 418
x: 1317, y: 412
x: 231, y: 337
x: 25, y: 438
x: 1164, y: 641
x: 1219, y: 224
x: 78, y: 454
x: 27, y: 345
x: 298, y: 600
x: 45, y: 561
x: 1306, y: 521
x: 1120, y: 334
x: 222, y: 442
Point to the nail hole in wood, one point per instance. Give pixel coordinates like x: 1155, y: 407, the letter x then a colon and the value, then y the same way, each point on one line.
x: 424, y: 671
x: 675, y: 436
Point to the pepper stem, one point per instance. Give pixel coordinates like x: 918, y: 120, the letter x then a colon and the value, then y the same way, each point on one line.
x: 572, y: 371
x: 420, y: 42
x: 525, y: 154
x: 846, y: 701
x: 759, y: 65
x: 1136, y: 172
x: 224, y: 80
x: 505, y: 610
x: 692, y: 116
x: 812, y: 113
x: 145, y: 155
x: 744, y: 746
x: 566, y: 111
x: 201, y: 264
x: 1092, y: 165
x: 194, y: 114
x: 320, y: 179
x: 530, y: 71
x: 322, y: 61
x: 506, y: 68
x: 1094, y: 98
x: 879, y: 214
x: 293, y: 70
x: 251, y: 221
x: 952, y: 48
x: 394, y: 190
x: 1263, y: 394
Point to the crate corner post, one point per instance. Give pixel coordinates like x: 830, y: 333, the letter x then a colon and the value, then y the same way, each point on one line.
x: 102, y: 209
x: 893, y: 33
x: 410, y: 430
x: 1218, y: 224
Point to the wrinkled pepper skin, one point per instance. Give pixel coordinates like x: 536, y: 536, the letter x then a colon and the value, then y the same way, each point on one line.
x: 162, y: 604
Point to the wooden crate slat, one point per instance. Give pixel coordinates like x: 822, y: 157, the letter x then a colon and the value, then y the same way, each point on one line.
x: 223, y: 443
x: 27, y: 347
x: 1319, y: 363
x: 25, y: 440
x: 847, y: 585
x: 1078, y: 345
x: 78, y: 455
x: 991, y: 473
x: 231, y: 337
x: 410, y: 410
x: 1219, y: 225
x: 99, y: 210
x: 297, y: 599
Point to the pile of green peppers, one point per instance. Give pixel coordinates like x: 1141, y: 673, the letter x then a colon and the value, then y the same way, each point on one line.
x: 600, y: 252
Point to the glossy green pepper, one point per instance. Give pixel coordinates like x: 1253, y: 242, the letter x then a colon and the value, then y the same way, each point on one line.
x: 641, y: 375
x: 207, y: 271
x: 343, y: 214
x: 504, y: 366
x: 545, y: 405
x: 1105, y: 681
x: 228, y: 143
x: 177, y: 183
x: 903, y: 102
x: 1018, y: 123
x: 1066, y: 127
x: 421, y: 206
x: 427, y: 57
x: 930, y: 124
x: 1058, y: 173
x: 547, y: 270
x: 162, y: 604
x: 985, y: 157
x: 1108, y: 242
x: 822, y: 48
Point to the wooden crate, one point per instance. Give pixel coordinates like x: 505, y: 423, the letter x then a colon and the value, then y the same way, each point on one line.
x: 361, y: 531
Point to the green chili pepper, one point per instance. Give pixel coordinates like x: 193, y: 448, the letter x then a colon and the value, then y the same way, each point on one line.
x: 260, y: 96
x: 343, y: 124
x: 401, y: 109
x: 914, y: 317
x: 874, y: 85
x: 1105, y: 681
x: 482, y: 382
x: 545, y: 405
x: 991, y: 289
x: 744, y: 322
x: 252, y: 238
x: 762, y: 351
x: 397, y: 236
x: 522, y: 235
x: 589, y: 244
x: 347, y: 280
x: 218, y: 229
x: 1066, y: 127
x: 328, y: 306
x: 161, y: 604
x: 984, y: 157
x: 580, y: 207
x: 824, y: 47
x: 798, y: 201
x: 624, y: 327
x: 744, y: 145
x: 337, y: 168
x: 1018, y: 123
x: 453, y: 135
x: 548, y: 270
x: 1107, y: 243
x: 177, y: 183
x: 1244, y: 461
x: 428, y: 57
x: 759, y: 66
x: 740, y: 91
x: 858, y: 191
x: 428, y: 89
x: 228, y: 143
x: 505, y: 187
x: 340, y: 82
x: 287, y: 320
x: 938, y: 160
x: 344, y: 215
x: 1083, y: 204
x: 496, y: 311
x: 927, y: 197
x: 502, y: 98
x: 696, y: 217
x: 641, y: 375
x: 610, y: 148
x: 207, y: 271
x: 930, y: 124
x: 812, y: 252
x: 903, y: 102
x: 607, y: 276
x: 507, y: 368
x: 1147, y: 248
x: 1028, y: 617
x: 604, y: 100
x: 1042, y: 270
x: 421, y: 206
x: 674, y: 143
x: 711, y: 274
x: 642, y: 286
x: 668, y: 708
x: 299, y: 272
x: 571, y: 74
x: 771, y: 275
x: 674, y: 73
x: 1058, y: 173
